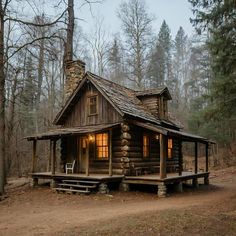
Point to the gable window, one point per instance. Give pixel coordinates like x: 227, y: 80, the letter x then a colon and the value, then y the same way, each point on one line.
x: 93, y: 105
x: 101, y: 142
x: 170, y: 148
x: 146, y: 144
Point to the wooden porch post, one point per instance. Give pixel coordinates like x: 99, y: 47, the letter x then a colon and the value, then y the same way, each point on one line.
x: 50, y: 156
x: 34, y: 155
x: 54, y: 156
x: 196, y: 158
x: 162, y: 156
x: 207, y: 157
x: 110, y: 152
x: 87, y: 157
x: 180, y: 158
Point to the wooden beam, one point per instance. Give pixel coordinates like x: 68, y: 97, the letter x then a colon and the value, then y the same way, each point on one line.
x: 180, y: 158
x: 34, y: 155
x: 207, y: 157
x: 87, y: 157
x: 110, y: 152
x: 196, y: 158
x: 50, y: 156
x: 163, y: 152
x: 54, y: 156
x: 79, y: 154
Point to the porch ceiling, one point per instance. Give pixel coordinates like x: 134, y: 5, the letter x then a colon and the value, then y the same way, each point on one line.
x: 182, y: 135
x: 62, y: 132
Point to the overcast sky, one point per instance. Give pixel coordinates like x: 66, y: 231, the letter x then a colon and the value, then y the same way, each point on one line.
x: 175, y: 12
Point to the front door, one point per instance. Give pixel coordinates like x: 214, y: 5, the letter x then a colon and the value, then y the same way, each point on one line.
x: 82, y: 147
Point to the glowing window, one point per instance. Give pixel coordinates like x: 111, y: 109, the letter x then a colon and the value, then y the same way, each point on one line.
x: 145, y: 146
x: 102, y: 146
x: 170, y: 148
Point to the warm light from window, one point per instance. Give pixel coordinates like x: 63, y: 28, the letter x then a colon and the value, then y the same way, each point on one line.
x: 170, y: 147
x: 145, y: 146
x: 102, y: 146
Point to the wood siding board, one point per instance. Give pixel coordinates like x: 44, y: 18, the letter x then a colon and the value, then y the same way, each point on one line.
x: 79, y: 115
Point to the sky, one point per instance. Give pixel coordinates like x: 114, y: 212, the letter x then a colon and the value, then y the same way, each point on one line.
x: 175, y: 12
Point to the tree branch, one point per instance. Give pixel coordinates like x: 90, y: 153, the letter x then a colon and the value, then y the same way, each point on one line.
x: 33, y: 41
x: 35, y: 24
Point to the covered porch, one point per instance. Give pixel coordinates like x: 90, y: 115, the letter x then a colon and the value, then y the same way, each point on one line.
x: 83, y: 137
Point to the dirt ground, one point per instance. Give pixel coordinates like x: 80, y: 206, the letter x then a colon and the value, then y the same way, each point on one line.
x: 206, y: 211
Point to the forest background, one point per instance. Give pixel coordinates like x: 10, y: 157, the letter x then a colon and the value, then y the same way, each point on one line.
x: 199, y: 69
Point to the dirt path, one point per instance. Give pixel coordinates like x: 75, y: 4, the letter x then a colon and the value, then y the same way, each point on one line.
x: 41, y: 212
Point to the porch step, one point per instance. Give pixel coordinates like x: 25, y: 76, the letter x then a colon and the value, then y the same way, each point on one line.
x: 72, y: 190
x: 76, y: 186
x: 79, y: 181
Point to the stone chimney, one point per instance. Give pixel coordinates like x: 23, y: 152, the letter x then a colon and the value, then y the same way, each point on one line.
x: 75, y: 71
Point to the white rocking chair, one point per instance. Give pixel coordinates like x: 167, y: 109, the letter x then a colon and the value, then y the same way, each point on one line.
x: 70, y: 167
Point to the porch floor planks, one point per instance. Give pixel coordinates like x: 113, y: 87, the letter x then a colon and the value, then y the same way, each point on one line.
x: 92, y: 177
x: 154, y: 179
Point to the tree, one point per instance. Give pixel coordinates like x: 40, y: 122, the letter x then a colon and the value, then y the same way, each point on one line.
x: 180, y: 62
x: 5, y: 18
x: 136, y: 25
x: 218, y: 18
x: 99, y: 45
x: 2, y: 97
x: 160, y: 67
x: 116, y: 62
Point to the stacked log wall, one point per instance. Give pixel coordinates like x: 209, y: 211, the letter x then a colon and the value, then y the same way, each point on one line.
x: 152, y: 103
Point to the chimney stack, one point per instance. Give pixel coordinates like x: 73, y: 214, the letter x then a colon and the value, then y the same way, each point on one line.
x: 75, y: 71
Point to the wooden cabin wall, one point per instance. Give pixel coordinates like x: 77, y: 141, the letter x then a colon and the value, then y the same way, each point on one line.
x: 102, y: 166
x: 79, y: 114
x: 152, y: 103
x: 136, y: 151
x: 68, y: 151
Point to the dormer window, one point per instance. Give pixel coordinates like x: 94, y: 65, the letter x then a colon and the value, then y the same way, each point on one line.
x: 93, y: 105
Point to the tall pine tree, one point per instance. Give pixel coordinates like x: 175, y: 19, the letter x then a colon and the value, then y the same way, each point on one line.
x: 218, y: 19
x: 160, y: 66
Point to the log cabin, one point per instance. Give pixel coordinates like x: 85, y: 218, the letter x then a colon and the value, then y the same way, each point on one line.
x: 110, y: 133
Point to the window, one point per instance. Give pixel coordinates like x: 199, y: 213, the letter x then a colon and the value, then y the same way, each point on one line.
x: 101, y: 146
x: 92, y: 104
x: 145, y: 146
x: 170, y: 148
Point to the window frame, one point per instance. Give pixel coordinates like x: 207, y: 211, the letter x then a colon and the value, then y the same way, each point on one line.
x: 170, y: 148
x: 147, y: 155
x: 89, y: 105
x: 101, y: 146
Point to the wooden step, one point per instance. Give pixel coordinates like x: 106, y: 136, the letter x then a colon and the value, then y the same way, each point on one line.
x: 79, y: 181
x: 77, y: 185
x: 72, y: 190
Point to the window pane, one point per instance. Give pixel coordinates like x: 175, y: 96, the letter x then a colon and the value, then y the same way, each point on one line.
x: 169, y: 143
x: 102, y: 146
x: 145, y: 146
x: 92, y: 105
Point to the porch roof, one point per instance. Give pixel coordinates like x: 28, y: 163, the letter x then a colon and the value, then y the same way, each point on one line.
x: 62, y: 132
x: 166, y: 131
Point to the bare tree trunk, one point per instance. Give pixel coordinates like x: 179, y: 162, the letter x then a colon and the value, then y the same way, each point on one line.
x: 40, y: 81
x: 2, y: 103
x: 10, y: 124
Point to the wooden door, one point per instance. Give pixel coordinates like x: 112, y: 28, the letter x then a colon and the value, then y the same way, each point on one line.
x: 82, y: 147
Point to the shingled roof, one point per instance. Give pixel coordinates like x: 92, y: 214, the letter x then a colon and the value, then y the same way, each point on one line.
x: 155, y: 91
x: 123, y: 99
